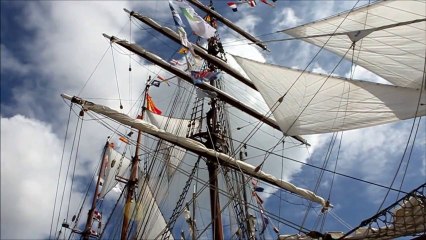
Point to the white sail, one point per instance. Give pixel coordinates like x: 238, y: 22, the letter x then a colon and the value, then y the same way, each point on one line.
x: 116, y: 166
x: 317, y: 103
x: 148, y: 214
x: 196, y: 147
x: 386, y: 43
x: 172, y: 154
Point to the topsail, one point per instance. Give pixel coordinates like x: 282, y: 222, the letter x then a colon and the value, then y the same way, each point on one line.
x: 388, y: 37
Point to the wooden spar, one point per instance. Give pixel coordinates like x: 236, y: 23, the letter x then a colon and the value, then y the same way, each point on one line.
x: 131, y: 184
x: 87, y: 230
x: 185, y: 76
x: 196, y: 147
x: 198, y: 50
x: 228, y: 23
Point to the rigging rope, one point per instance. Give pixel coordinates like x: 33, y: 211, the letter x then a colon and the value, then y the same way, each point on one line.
x: 116, y: 77
x: 408, y: 140
x: 75, y: 164
x: 77, y: 219
x: 66, y: 176
x: 60, y: 170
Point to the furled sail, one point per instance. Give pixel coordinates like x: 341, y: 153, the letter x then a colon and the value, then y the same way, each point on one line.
x: 116, y: 166
x: 172, y: 154
x: 389, y: 36
x: 408, y: 219
x: 316, y: 103
x: 197, y: 148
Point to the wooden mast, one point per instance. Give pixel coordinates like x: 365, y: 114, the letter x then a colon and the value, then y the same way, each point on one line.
x: 212, y: 167
x: 88, y: 229
x: 131, y: 184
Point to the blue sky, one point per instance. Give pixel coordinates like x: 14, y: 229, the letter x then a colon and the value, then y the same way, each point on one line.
x: 50, y: 47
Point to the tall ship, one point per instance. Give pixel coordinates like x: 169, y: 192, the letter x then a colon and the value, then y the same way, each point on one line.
x: 213, y: 143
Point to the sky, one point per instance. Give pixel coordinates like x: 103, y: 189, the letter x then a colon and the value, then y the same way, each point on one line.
x: 54, y: 47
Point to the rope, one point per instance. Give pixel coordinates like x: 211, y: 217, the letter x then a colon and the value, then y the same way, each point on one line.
x: 93, y: 72
x: 408, y: 141
x: 116, y: 77
x: 75, y: 164
x: 60, y: 170
x: 66, y: 176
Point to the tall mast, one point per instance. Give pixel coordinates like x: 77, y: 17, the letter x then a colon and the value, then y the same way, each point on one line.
x: 131, y: 184
x: 88, y: 229
x: 212, y: 167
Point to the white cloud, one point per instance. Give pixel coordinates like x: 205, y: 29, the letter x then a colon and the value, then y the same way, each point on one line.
x: 30, y: 159
x: 285, y: 19
x: 361, y: 73
x: 249, y: 22
x: 12, y: 63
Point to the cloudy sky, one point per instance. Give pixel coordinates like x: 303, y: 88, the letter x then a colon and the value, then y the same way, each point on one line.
x: 52, y: 47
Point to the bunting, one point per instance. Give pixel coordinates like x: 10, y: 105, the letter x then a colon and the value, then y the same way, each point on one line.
x: 233, y: 6
x: 268, y: 3
x: 251, y: 3
x: 155, y: 83
x: 181, y: 32
x: 124, y: 139
x: 198, y: 25
x: 165, y: 80
x: 200, y: 76
x: 183, y: 50
x: 259, y: 201
x: 151, y: 106
x: 176, y: 62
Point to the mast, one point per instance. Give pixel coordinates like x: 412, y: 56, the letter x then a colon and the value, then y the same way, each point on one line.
x: 213, y: 170
x: 131, y: 184
x: 88, y: 229
x: 185, y: 76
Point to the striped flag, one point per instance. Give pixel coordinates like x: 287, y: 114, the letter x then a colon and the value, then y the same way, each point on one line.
x: 175, y: 62
x: 233, y: 5
x: 199, y: 76
x: 267, y: 3
x: 252, y: 3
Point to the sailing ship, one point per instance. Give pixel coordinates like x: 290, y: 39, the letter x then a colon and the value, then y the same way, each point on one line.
x: 190, y: 172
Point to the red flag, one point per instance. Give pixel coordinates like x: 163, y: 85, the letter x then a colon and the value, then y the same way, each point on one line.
x: 268, y: 3
x: 151, y: 106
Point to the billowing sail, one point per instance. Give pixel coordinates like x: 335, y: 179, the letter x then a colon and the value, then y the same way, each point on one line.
x: 197, y: 148
x: 389, y: 36
x: 317, y: 103
x: 116, y: 166
x: 172, y: 154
